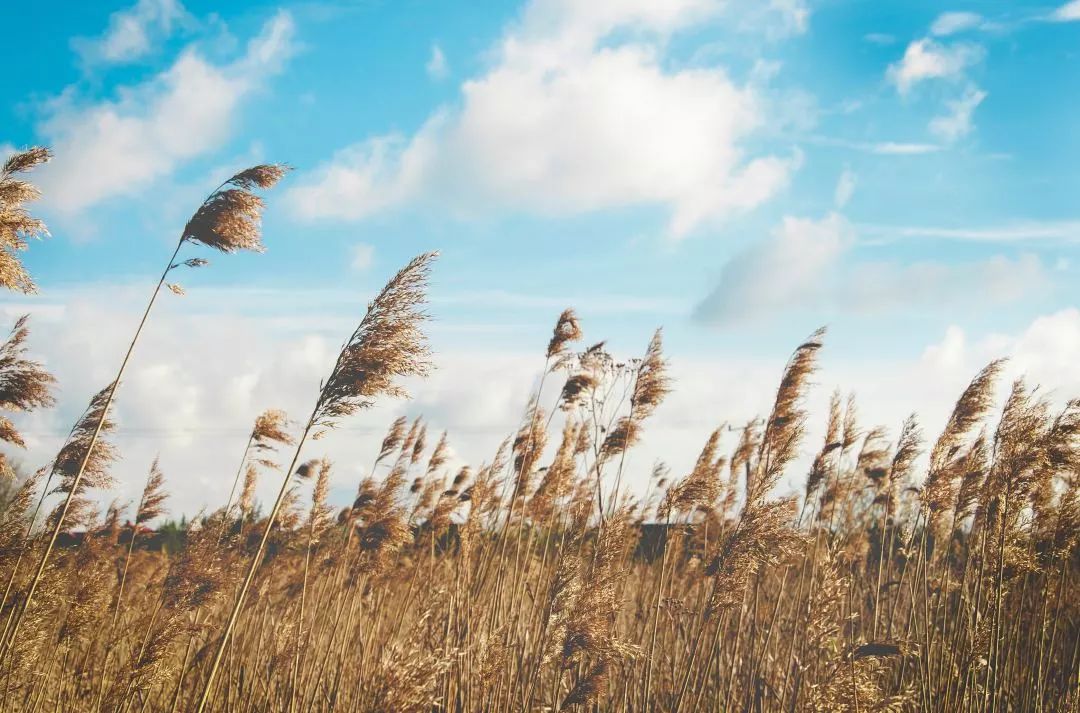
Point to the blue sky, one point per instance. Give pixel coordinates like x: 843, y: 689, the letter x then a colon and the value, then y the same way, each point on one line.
x: 739, y: 173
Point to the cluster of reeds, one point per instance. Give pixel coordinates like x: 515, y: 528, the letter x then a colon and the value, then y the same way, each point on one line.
x: 908, y: 575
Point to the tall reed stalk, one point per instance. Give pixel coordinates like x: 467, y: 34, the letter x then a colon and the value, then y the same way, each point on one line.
x: 388, y: 345
x: 228, y: 221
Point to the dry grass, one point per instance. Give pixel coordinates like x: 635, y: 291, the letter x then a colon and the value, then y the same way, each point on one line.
x: 537, y: 581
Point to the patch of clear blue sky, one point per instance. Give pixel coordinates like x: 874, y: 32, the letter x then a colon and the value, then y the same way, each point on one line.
x: 360, y: 73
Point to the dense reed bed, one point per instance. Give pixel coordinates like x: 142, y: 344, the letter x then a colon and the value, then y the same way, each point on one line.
x: 910, y: 573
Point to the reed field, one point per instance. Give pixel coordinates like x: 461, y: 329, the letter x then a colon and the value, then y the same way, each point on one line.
x: 913, y: 572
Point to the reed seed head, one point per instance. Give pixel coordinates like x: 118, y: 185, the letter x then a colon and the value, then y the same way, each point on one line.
x: 229, y: 219
x: 388, y: 345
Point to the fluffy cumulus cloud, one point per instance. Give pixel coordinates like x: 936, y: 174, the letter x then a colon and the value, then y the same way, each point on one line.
x: 809, y: 264
x: 569, y: 120
x: 927, y: 59
x: 133, y: 32
x: 118, y: 146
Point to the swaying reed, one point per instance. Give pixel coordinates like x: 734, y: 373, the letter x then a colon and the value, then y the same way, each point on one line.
x: 387, y: 346
x: 151, y: 506
x: 900, y: 583
x: 538, y: 581
x: 25, y: 385
x: 17, y: 226
x: 228, y: 220
x: 266, y: 435
x: 80, y: 468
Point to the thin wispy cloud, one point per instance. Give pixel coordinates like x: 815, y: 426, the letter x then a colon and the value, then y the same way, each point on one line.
x: 845, y: 187
x: 898, y: 148
x: 880, y: 148
x: 957, y: 122
x: 437, y: 66
x: 883, y: 39
x: 951, y: 23
x: 1051, y: 231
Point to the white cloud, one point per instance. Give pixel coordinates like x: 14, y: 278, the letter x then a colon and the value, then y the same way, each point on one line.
x: 1055, y: 231
x: 132, y: 33
x: 950, y: 23
x: 926, y: 59
x: 957, y: 123
x: 880, y: 148
x: 887, y: 387
x: 895, y: 148
x: 882, y: 286
x: 363, y: 256
x: 436, y: 66
x: 845, y: 187
x: 1046, y: 350
x: 118, y: 147
x: 880, y: 38
x: 209, y: 362
x: 806, y: 265
x: 1069, y: 12
x: 1043, y: 352
x: 184, y: 402
x: 366, y: 178
x: 564, y: 123
x: 782, y: 271
x: 580, y: 24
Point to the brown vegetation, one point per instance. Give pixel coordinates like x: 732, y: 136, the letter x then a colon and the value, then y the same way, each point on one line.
x: 538, y: 580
